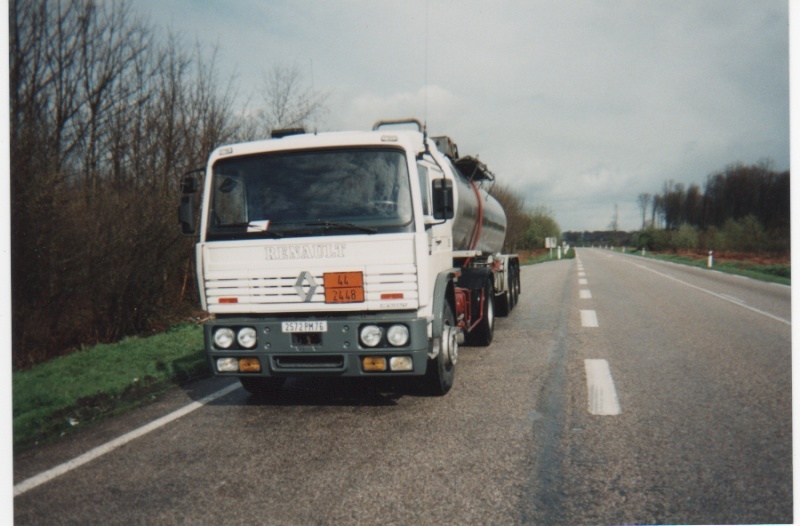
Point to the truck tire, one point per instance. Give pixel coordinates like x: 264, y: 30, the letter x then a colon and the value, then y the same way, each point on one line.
x: 505, y: 301
x: 440, y: 374
x: 483, y: 333
x: 260, y: 385
x: 513, y: 286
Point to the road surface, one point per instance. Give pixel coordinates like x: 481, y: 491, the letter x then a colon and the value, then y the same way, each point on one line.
x: 620, y: 390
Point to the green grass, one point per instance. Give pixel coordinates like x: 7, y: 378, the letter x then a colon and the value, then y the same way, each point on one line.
x: 772, y: 273
x: 83, y: 387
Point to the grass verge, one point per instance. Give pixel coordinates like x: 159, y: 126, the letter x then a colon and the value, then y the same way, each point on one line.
x: 79, y: 389
x: 772, y: 273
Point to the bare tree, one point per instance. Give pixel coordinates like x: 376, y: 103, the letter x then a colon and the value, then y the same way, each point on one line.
x: 289, y: 102
x: 517, y: 217
x: 103, y: 117
x: 643, y: 201
x: 657, y: 211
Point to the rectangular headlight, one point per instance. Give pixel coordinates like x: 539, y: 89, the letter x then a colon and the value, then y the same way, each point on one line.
x: 228, y: 365
x: 401, y: 363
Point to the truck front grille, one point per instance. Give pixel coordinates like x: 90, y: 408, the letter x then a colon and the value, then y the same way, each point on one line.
x: 230, y: 291
x: 308, y: 362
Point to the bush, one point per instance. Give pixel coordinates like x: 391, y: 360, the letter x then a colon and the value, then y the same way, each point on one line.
x: 686, y: 237
x: 541, y: 226
x: 744, y: 235
x: 653, y: 239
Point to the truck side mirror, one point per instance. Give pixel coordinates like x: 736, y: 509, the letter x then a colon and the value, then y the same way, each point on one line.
x: 442, y: 197
x: 188, y: 184
x: 187, y: 206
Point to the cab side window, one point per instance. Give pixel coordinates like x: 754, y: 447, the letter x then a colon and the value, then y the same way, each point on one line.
x: 428, y: 171
x: 424, y: 185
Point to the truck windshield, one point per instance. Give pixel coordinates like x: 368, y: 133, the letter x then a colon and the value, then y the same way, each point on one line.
x: 319, y: 192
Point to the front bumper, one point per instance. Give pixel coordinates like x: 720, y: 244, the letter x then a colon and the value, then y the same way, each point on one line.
x: 335, y: 352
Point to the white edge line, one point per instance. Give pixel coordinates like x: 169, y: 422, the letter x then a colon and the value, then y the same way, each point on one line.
x: 50, y: 474
x: 716, y: 295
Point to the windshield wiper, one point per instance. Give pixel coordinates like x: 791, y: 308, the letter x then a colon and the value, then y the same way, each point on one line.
x: 328, y: 225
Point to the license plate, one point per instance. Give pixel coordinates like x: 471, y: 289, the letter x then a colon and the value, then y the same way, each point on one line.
x: 304, y: 326
x: 344, y: 287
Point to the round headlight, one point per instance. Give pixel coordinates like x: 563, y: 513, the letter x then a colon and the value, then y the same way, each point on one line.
x: 371, y: 335
x: 397, y: 335
x: 223, y: 338
x: 247, y: 337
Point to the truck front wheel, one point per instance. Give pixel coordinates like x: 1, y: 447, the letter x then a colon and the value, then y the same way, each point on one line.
x: 441, y: 370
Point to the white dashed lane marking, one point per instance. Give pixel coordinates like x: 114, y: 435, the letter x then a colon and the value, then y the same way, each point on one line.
x: 586, y: 294
x: 589, y: 318
x: 603, y: 399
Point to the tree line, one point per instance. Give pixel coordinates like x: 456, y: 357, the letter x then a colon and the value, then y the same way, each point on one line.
x: 105, y: 114
x: 740, y: 208
x: 526, y: 227
x: 733, y: 193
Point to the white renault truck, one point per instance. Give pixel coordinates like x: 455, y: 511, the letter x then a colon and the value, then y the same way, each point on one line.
x: 350, y: 254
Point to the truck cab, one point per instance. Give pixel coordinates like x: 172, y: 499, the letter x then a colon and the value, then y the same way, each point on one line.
x: 328, y: 254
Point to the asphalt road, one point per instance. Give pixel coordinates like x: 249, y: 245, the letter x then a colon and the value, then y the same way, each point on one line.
x: 681, y: 415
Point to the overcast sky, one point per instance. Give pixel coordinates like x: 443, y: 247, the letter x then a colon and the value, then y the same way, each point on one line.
x: 577, y: 105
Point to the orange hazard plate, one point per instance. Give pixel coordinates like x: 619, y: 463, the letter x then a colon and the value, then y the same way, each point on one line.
x: 344, y: 287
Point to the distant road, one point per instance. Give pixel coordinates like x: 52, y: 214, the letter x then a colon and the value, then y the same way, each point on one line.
x: 620, y: 390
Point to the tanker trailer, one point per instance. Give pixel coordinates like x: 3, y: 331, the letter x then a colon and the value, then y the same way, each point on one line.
x: 346, y: 254
x: 489, y: 281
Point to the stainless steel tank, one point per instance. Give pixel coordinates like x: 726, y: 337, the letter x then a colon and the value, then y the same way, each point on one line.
x: 492, y: 232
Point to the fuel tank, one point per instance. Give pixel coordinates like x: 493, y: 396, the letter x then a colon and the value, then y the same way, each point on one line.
x: 477, y: 214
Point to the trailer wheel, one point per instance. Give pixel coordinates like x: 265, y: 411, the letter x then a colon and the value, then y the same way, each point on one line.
x: 260, y: 385
x: 505, y: 301
x: 440, y: 374
x: 513, y: 285
x: 503, y: 304
x: 483, y: 334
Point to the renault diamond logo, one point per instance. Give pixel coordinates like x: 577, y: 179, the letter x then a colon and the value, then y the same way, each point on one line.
x: 305, y: 279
